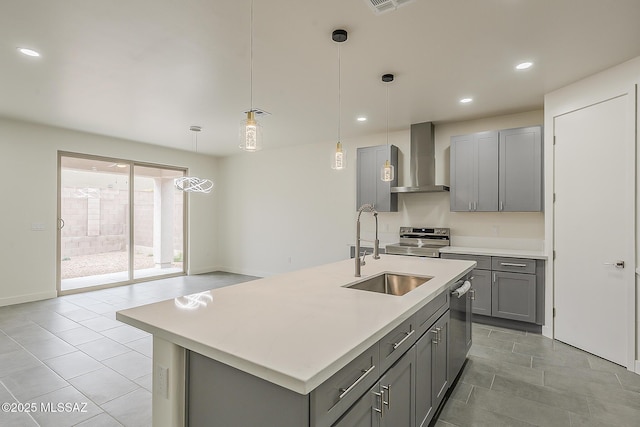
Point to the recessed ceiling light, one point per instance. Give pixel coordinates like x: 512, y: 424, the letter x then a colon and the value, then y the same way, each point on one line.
x: 466, y: 100
x: 524, y: 65
x: 28, y: 52
x: 361, y: 119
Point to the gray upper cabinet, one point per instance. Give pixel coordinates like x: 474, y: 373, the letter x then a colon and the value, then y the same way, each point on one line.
x: 520, y: 184
x: 474, y: 172
x: 370, y: 188
x: 497, y: 171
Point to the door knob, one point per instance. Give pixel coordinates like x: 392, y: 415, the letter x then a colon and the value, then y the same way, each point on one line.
x: 617, y: 264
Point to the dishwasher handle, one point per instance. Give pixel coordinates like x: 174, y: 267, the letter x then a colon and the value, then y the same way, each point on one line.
x: 462, y: 289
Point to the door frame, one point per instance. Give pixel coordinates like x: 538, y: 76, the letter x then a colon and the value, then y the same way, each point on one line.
x: 631, y: 182
x: 132, y: 164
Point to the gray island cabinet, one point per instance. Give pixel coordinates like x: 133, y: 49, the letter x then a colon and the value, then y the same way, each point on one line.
x: 311, y: 353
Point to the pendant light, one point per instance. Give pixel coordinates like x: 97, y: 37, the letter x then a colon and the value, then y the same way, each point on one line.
x: 387, y: 173
x: 339, y: 157
x: 192, y: 184
x: 250, y: 128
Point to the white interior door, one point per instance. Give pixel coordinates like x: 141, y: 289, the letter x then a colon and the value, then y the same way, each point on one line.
x: 594, y: 228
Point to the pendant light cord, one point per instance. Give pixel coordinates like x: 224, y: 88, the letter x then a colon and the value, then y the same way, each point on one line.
x: 387, y: 115
x: 339, y: 92
x: 251, y: 56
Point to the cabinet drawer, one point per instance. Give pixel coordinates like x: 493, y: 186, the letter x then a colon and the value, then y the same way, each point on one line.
x: 397, y: 342
x: 484, y: 261
x: 428, y: 314
x: 333, y: 397
x: 514, y: 265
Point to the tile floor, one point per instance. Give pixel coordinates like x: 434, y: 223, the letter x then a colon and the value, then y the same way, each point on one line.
x: 516, y: 378
x: 72, y: 350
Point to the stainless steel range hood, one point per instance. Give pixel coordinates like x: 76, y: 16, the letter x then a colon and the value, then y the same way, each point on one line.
x: 422, y: 162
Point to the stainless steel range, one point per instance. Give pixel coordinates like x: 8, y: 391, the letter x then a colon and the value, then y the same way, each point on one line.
x: 424, y: 242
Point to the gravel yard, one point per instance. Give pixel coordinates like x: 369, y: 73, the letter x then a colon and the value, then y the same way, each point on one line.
x: 109, y: 262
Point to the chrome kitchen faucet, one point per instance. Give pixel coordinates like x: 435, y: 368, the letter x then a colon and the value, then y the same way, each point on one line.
x: 376, y: 242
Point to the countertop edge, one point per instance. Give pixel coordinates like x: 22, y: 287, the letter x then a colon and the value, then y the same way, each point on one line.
x: 510, y: 253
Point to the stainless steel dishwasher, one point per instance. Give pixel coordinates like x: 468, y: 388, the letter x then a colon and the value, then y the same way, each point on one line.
x: 459, y: 324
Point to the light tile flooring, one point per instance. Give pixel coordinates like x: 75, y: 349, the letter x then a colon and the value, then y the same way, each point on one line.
x: 72, y: 350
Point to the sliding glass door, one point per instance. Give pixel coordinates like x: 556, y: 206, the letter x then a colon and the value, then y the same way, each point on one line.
x: 158, y: 222
x: 104, y: 206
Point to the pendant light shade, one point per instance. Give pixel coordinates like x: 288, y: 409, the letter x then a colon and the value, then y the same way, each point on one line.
x: 250, y: 133
x: 387, y: 173
x: 193, y: 184
x: 339, y: 157
x: 250, y: 128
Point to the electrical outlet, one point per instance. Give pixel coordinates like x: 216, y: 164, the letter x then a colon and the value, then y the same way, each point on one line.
x: 162, y: 377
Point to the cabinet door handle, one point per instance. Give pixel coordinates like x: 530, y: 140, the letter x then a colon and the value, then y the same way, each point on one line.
x: 406, y: 336
x: 438, y: 330
x: 381, y: 396
x: 512, y: 264
x: 475, y: 206
x: 387, y: 402
x: 501, y: 206
x: 494, y: 277
x: 435, y: 334
x: 344, y: 391
x: 472, y: 292
x: 470, y: 206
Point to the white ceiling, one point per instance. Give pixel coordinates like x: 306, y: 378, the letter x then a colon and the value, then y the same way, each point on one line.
x: 146, y: 70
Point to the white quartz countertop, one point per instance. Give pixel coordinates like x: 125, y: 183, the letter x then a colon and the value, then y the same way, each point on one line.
x: 299, y: 328
x: 512, y: 253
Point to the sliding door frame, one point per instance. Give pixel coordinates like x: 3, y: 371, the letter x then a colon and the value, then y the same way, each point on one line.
x: 131, y: 280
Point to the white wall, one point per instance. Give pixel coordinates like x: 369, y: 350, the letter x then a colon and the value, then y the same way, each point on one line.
x: 285, y: 209
x: 28, y: 195
x: 612, y: 82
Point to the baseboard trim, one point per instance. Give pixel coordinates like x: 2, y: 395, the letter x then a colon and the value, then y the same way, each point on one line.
x: 204, y: 270
x: 20, y: 299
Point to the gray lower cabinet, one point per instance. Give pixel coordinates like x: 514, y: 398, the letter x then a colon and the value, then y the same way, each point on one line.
x: 370, y: 189
x: 221, y: 396
x: 363, y: 414
x: 432, y: 370
x: 390, y: 402
x: 481, y: 282
x: 507, y: 288
x: 514, y: 296
x: 398, y: 382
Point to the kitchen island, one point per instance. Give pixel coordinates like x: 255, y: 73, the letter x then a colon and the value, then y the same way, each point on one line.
x: 277, y: 342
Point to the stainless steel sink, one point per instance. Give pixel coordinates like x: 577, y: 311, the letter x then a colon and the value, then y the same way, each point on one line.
x: 391, y: 284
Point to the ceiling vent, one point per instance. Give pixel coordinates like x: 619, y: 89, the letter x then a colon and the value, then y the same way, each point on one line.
x: 382, y: 6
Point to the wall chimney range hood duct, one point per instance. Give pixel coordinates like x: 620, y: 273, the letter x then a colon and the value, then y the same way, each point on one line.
x: 422, y: 162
